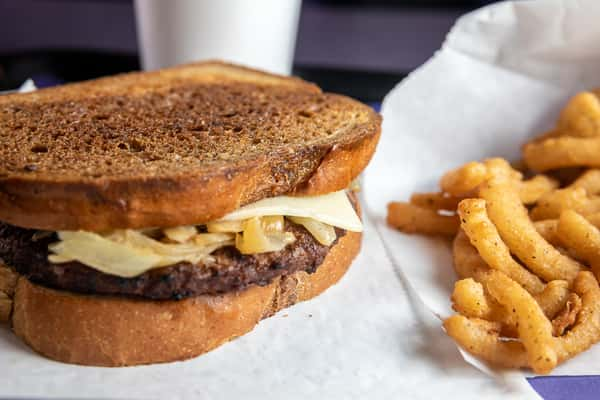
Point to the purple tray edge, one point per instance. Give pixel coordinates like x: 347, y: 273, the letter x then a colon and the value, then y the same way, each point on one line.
x: 584, y: 387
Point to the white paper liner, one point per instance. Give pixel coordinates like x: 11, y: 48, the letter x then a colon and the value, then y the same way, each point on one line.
x: 502, y: 75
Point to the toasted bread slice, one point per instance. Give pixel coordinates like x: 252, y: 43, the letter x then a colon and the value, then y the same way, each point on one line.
x: 118, y: 331
x: 177, y: 146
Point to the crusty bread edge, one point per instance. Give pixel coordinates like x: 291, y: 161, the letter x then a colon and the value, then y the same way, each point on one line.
x: 340, y: 167
x: 119, y: 331
x: 182, y: 201
x: 213, y: 70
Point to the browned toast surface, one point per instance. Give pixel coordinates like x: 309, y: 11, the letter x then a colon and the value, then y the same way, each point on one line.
x: 177, y: 146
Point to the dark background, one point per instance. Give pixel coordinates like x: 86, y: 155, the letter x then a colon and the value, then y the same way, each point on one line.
x: 357, y: 47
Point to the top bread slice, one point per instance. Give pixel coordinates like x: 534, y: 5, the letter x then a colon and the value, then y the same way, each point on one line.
x: 178, y: 146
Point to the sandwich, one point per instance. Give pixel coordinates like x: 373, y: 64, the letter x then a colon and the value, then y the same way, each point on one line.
x: 150, y: 217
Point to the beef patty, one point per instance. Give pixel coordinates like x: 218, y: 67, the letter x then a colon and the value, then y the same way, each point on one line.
x: 230, y: 270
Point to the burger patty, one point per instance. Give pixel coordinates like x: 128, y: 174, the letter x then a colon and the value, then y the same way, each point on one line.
x: 229, y: 271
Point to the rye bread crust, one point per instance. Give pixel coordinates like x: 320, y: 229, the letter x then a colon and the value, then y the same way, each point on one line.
x: 178, y: 146
x: 117, y: 331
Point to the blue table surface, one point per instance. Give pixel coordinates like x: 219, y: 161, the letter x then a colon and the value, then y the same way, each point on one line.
x: 567, y: 387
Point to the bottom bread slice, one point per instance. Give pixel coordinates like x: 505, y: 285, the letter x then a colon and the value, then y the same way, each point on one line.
x: 120, y: 331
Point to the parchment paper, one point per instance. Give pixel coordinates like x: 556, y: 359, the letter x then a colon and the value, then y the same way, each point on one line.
x: 501, y: 76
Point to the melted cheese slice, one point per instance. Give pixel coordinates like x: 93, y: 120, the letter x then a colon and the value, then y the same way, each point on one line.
x: 333, y: 209
x: 129, y: 253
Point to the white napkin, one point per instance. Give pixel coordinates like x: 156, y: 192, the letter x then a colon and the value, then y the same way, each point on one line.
x: 501, y: 76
